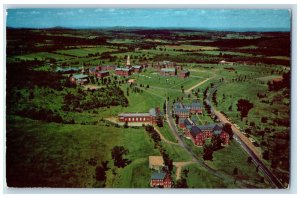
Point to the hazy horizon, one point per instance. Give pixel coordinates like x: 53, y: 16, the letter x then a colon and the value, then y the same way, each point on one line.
x: 210, y: 19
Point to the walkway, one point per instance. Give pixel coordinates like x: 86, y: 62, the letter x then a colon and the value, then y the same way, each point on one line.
x: 197, y: 85
x: 179, y: 166
x: 162, y: 137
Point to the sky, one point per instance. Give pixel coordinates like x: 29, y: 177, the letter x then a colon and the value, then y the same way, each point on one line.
x: 153, y: 18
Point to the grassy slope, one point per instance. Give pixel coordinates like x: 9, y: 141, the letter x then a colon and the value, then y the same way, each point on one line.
x: 85, y: 51
x: 226, y: 159
x: 57, y: 155
x: 165, y: 130
x: 176, y: 153
x: 42, y: 56
x: 199, y: 178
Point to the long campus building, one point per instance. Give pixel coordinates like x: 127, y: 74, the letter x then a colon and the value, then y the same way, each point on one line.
x: 149, y: 117
x: 185, y: 110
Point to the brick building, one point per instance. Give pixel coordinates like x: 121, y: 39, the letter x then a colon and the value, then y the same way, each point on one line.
x: 185, y: 110
x: 149, y: 117
x: 102, y: 74
x: 168, y: 72
x: 160, y: 179
x: 123, y: 71
x: 199, y: 134
x: 106, y: 68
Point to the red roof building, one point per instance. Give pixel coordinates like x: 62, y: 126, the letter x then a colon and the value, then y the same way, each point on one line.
x: 123, y: 71
x: 168, y: 72
x: 149, y: 117
x: 199, y: 134
x: 160, y: 180
x: 106, y: 68
x: 102, y: 74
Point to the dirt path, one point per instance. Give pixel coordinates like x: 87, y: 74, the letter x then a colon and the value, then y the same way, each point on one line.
x: 179, y: 166
x: 197, y: 85
x: 163, y: 137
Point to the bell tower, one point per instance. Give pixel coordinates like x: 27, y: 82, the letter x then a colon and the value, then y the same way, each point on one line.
x: 128, y: 61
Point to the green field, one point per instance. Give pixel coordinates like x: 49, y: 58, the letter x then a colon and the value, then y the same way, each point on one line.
x: 57, y: 155
x: 166, y: 132
x: 199, y: 178
x: 82, y: 52
x: 216, y: 52
x: 42, y: 56
x: 177, y: 153
x: 226, y: 159
x: 189, y: 47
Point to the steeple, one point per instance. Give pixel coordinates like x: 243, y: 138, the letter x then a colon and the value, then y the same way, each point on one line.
x: 128, y: 61
x: 82, y: 69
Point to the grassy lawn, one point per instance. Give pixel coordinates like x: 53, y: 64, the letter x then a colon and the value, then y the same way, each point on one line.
x: 165, y: 130
x: 82, y: 52
x: 155, y: 79
x: 42, y: 56
x: 248, y: 90
x: 142, y: 102
x: 216, y: 52
x: 135, y: 175
x: 226, y: 159
x: 122, y: 41
x: 176, y: 153
x: 199, y: 178
x: 58, y: 155
x: 189, y: 47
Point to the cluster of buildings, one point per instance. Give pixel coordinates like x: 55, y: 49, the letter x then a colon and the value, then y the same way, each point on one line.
x: 165, y: 68
x: 98, y: 71
x: 185, y: 110
x: 128, y: 70
x: 149, y: 117
x: 103, y: 71
x: 160, y: 178
x: 168, y: 68
x: 199, y: 134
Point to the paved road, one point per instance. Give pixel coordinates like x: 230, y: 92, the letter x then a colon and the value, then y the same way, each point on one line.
x: 245, y: 143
